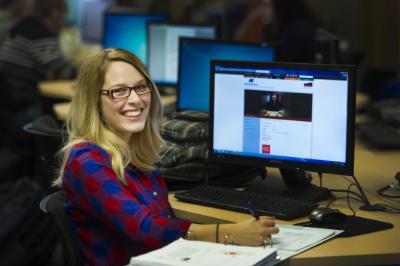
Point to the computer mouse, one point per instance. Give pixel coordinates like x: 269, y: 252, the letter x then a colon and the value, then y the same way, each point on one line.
x: 324, y: 215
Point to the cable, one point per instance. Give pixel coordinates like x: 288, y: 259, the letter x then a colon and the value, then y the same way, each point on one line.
x: 388, y: 208
x: 346, y: 191
x: 348, y: 202
x: 384, y: 207
x: 367, y: 205
x: 361, y: 196
x: 382, y: 190
x: 384, y: 199
x: 320, y: 179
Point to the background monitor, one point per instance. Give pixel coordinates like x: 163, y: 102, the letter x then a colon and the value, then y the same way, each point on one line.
x: 92, y: 20
x: 128, y: 31
x: 194, y: 67
x: 73, y: 16
x: 311, y: 128
x: 163, y: 49
x: 87, y: 17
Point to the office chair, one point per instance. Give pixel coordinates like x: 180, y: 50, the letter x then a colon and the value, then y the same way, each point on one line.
x: 48, y: 137
x: 53, y: 205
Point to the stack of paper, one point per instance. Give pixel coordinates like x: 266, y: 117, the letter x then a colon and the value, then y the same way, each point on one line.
x: 293, y: 239
x: 290, y: 241
x: 199, y: 253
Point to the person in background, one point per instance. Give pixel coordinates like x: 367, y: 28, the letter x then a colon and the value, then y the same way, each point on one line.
x: 246, y: 19
x: 10, y: 12
x: 31, y: 53
x: 115, y: 199
x: 293, y: 27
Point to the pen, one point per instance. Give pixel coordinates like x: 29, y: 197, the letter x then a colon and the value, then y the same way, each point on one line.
x: 252, y: 210
x: 256, y: 216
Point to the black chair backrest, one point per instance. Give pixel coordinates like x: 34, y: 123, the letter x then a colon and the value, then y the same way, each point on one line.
x: 48, y: 136
x: 53, y: 205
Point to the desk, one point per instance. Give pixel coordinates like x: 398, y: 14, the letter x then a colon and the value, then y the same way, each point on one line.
x: 374, y: 169
x: 58, y: 89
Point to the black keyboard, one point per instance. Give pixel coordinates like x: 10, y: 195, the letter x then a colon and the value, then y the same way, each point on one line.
x: 381, y: 135
x: 226, y: 198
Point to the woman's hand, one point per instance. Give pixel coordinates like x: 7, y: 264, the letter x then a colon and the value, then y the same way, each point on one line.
x: 251, y: 232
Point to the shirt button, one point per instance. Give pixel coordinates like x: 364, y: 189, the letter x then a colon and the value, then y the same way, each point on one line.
x: 155, y: 193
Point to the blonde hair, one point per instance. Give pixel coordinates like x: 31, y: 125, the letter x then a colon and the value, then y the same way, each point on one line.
x: 84, y: 122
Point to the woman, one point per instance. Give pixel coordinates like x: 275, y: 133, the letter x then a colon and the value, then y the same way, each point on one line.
x: 116, y: 200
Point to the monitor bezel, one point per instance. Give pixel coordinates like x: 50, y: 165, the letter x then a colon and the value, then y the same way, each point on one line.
x: 178, y: 24
x: 222, y: 42
x: 347, y: 169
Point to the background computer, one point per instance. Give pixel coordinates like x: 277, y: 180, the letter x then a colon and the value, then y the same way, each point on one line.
x: 87, y: 17
x: 163, y: 48
x: 128, y: 31
x: 194, y: 67
x: 314, y: 130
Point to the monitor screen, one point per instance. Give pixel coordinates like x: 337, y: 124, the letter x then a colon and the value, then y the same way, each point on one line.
x: 163, y: 49
x: 194, y: 67
x: 92, y: 19
x: 286, y: 115
x: 73, y: 16
x: 128, y: 31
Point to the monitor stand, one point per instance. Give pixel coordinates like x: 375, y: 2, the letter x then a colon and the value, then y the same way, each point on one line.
x: 296, y: 184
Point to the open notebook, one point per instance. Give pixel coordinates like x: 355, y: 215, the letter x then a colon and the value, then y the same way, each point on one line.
x: 199, y: 253
x: 290, y: 241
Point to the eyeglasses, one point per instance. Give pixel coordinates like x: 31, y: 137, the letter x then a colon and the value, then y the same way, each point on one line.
x: 125, y: 92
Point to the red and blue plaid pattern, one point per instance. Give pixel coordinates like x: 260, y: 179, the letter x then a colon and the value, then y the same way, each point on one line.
x: 114, y: 222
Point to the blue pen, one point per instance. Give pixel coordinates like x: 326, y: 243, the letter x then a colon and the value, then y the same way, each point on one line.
x: 256, y: 216
x: 252, y: 210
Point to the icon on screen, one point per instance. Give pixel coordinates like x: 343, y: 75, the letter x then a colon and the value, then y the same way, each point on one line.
x: 308, y: 84
x: 266, y: 149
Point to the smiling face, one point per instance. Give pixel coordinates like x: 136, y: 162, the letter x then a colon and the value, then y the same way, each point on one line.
x: 126, y: 116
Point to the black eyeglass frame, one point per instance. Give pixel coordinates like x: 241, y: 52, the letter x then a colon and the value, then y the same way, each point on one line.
x: 110, y: 93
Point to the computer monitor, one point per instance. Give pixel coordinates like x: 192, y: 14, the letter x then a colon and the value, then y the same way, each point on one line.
x: 194, y: 67
x: 327, y: 47
x: 92, y: 19
x: 285, y: 115
x: 128, y: 31
x: 163, y: 47
x: 73, y: 16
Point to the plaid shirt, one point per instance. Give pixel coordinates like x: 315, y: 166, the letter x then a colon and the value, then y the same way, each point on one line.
x: 114, y: 222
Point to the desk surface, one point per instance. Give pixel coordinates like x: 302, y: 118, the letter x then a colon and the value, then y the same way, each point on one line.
x: 374, y: 169
x: 58, y: 89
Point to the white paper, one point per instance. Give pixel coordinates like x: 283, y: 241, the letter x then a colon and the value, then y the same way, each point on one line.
x: 290, y: 241
x: 199, y: 253
x: 293, y: 239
